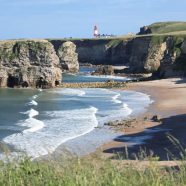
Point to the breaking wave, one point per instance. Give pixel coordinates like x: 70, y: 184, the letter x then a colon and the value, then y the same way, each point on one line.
x: 56, y: 118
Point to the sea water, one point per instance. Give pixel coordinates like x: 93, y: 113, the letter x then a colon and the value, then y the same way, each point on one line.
x: 36, y: 122
x: 84, y: 75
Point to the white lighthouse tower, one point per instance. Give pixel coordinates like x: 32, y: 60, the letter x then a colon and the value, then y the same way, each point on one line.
x: 96, y: 31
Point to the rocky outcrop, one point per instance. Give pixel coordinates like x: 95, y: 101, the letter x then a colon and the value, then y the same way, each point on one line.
x: 39, y: 63
x: 99, y: 51
x: 145, y: 30
x: 29, y: 63
x: 139, y: 52
x: 154, y: 57
x: 161, y: 55
x: 68, y: 57
x: 104, y: 70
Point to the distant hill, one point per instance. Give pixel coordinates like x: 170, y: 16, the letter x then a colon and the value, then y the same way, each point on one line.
x: 164, y: 28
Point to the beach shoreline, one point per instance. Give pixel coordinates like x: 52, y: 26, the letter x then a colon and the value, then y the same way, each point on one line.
x: 169, y: 106
x: 165, y: 106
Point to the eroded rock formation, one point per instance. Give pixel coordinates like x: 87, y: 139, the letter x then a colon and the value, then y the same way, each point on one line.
x: 145, y: 30
x: 35, y: 63
x: 161, y: 55
x: 100, y: 51
x: 68, y: 57
x: 29, y: 63
x: 104, y: 70
x: 39, y: 63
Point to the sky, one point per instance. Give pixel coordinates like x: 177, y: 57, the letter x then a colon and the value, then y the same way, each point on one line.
x: 76, y: 18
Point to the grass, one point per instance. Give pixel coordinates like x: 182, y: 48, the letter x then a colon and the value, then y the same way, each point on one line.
x: 167, y: 27
x: 86, y: 172
x: 93, y: 171
x: 9, y: 50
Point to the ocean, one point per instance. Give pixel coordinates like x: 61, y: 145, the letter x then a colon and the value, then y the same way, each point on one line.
x: 84, y: 75
x: 36, y: 122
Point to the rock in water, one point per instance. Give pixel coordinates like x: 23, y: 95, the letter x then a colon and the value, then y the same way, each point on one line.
x: 68, y: 57
x: 31, y: 63
x: 104, y: 70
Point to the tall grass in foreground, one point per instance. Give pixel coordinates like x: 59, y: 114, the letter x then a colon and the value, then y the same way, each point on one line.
x: 87, y: 172
x: 93, y: 171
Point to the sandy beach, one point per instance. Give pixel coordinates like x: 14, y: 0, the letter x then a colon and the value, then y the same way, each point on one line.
x: 149, y: 138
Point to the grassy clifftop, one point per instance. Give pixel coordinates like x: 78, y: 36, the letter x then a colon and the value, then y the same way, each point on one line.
x: 168, y: 27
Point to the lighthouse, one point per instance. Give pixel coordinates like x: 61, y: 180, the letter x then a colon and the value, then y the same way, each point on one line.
x: 95, y: 31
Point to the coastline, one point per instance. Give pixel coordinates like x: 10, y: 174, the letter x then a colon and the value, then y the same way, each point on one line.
x: 113, y: 140
x: 170, y: 105
x: 88, y: 143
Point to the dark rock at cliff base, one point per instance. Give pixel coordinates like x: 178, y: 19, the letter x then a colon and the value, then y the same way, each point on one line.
x: 104, y: 70
x: 24, y: 63
x: 68, y: 57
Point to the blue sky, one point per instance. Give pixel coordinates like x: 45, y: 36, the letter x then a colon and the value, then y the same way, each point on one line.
x: 76, y: 18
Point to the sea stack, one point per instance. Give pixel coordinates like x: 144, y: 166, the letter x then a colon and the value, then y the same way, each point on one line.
x: 68, y: 57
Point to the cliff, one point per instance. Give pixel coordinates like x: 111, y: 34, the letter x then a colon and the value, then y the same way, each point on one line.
x: 39, y: 63
x: 98, y: 51
x: 163, y: 55
x: 32, y: 63
x: 173, y: 27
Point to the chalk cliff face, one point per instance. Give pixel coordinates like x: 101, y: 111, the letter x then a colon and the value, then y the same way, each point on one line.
x: 28, y: 63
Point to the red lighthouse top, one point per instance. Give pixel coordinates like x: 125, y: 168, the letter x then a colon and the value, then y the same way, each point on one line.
x: 95, y: 31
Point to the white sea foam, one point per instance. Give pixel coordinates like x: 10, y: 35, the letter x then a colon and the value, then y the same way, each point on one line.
x: 31, y: 113
x: 63, y: 126
x: 33, y: 103
x: 43, y: 137
x: 136, y: 100
x: 32, y: 124
x: 35, y: 96
x: 71, y: 92
x: 109, y: 77
x: 115, y: 98
x: 127, y: 109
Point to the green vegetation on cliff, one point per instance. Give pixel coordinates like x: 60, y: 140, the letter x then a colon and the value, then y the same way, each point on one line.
x: 10, y: 50
x: 168, y: 27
